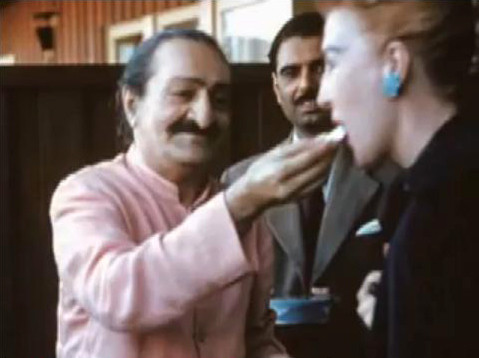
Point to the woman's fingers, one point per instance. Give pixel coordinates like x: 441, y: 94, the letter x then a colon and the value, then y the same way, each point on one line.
x: 367, y: 297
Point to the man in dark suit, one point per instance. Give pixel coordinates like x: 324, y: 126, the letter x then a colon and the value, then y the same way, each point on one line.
x: 321, y: 242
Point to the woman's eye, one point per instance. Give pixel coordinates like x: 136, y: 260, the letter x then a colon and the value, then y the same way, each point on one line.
x: 329, y: 65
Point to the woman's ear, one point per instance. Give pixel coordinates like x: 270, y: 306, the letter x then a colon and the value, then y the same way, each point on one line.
x: 397, y: 65
x: 130, y: 101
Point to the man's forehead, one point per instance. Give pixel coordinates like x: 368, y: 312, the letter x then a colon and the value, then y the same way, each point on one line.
x: 183, y: 58
x: 197, y: 81
x: 297, y: 49
x: 294, y: 42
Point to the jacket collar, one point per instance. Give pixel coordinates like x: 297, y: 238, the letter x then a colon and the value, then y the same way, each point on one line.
x: 451, y: 153
x: 285, y: 223
x: 351, y: 190
x: 161, y: 185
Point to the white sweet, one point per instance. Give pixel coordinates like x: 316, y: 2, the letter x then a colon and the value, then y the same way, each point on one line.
x: 336, y: 135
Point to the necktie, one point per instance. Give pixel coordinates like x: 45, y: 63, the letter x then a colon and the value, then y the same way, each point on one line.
x: 311, y: 208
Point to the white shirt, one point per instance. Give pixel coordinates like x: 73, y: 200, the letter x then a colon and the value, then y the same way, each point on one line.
x: 327, y: 183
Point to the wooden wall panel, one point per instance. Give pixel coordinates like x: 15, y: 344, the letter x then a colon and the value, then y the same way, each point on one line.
x: 100, y: 21
x: 54, y: 129
x: 139, y: 8
x: 75, y: 29
x: 100, y: 108
x: 90, y: 31
x: 117, y: 11
x: 81, y: 28
x: 6, y: 298
x: 149, y: 7
x: 25, y: 210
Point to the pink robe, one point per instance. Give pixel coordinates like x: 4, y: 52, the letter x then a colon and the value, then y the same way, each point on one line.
x: 142, y: 276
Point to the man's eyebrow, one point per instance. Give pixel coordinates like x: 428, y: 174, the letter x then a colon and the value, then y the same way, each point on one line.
x: 288, y: 66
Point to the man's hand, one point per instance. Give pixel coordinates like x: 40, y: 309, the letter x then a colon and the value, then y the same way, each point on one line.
x: 282, y: 174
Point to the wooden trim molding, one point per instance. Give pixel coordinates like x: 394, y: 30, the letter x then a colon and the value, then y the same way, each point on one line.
x: 144, y: 27
x: 178, y: 15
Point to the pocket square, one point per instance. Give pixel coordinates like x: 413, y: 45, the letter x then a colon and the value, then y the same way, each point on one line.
x: 370, y: 228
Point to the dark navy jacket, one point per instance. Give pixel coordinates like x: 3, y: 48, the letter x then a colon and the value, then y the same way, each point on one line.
x: 428, y: 300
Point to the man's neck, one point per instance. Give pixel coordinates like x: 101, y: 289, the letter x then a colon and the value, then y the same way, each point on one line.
x: 190, y: 180
x: 191, y: 189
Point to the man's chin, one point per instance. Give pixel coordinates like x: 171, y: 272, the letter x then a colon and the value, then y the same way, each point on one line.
x: 318, y: 120
x: 196, y: 158
x: 317, y: 126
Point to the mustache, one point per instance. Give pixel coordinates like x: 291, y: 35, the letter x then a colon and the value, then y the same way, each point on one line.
x: 308, y: 96
x: 189, y: 126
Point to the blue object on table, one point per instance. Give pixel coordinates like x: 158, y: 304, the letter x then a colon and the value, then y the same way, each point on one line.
x: 292, y: 311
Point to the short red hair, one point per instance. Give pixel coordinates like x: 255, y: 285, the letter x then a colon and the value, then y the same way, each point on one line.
x: 440, y: 33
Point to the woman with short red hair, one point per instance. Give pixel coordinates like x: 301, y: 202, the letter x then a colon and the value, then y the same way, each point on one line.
x: 394, y: 78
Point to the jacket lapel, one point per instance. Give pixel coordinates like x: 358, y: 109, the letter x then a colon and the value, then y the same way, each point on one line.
x: 350, y: 191
x: 284, y: 223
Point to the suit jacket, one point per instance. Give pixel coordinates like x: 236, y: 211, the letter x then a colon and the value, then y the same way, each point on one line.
x: 341, y: 260
x: 427, y: 304
x: 142, y: 276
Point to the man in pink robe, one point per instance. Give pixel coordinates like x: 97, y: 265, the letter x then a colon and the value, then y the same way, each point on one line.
x: 154, y: 261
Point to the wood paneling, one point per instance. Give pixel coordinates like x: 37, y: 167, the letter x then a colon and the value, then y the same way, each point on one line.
x: 6, y: 298
x: 27, y: 253
x: 80, y: 33
x: 257, y: 122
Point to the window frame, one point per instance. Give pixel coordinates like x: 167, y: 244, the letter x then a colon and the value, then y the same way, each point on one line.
x: 144, y: 27
x: 7, y: 59
x: 178, y: 15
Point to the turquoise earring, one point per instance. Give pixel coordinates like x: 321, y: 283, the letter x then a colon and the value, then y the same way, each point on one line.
x: 391, y: 85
